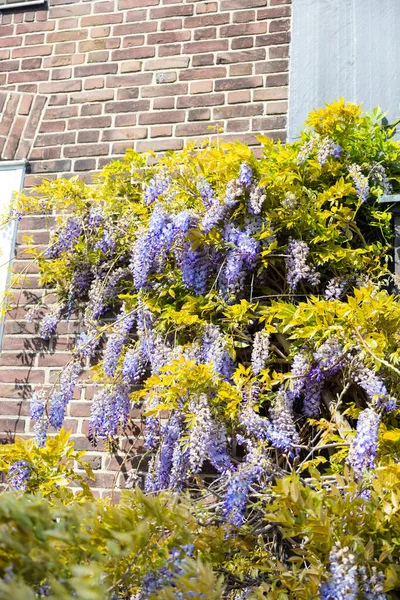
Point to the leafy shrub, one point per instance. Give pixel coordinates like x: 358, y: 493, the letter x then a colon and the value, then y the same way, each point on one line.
x: 254, y: 307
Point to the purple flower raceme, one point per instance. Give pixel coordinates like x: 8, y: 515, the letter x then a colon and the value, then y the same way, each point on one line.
x: 256, y: 199
x: 297, y: 267
x: 40, y: 429
x: 215, y: 351
x: 95, y: 218
x: 37, y: 414
x: 343, y: 582
x: 50, y: 321
x: 373, y: 385
x: 335, y: 288
x: 67, y: 237
x: 158, y: 185
x: 116, y: 341
x: 259, y: 355
x: 379, y: 177
x: 372, y: 586
x: 151, y: 248
x: 313, y: 385
x: 110, y: 410
x: 200, y: 433
x: 195, y: 267
x: 206, y: 191
x: 19, y: 474
x: 283, y: 433
x: 300, y: 368
x: 327, y: 147
x: 363, y: 451
x: 233, y: 191
x: 323, y: 147
x: 102, y: 290
x: 134, y: 366
x: 87, y: 343
x: 106, y: 243
x: 245, y: 175
x: 38, y: 405
x: 63, y: 396
x: 217, y: 449
x: 213, y: 215
x: 329, y: 361
x: 171, y: 433
x: 360, y: 182
x: 290, y: 201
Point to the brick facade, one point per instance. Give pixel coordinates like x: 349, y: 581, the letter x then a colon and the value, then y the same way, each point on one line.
x: 83, y: 80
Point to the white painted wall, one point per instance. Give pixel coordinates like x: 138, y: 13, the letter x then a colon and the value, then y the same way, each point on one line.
x: 346, y: 48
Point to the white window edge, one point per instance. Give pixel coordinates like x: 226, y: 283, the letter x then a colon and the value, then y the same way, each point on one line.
x: 4, y: 166
x: 21, y: 4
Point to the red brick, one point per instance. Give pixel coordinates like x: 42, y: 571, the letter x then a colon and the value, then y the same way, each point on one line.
x: 206, y: 21
x: 161, y: 131
x: 200, y: 100
x: 182, y: 62
x: 274, y: 13
x: 207, y: 73
x: 9, y: 65
x: 206, y: 7
x: 239, y: 97
x: 241, y: 69
x: 85, y: 150
x: 273, y: 39
x: 112, y: 135
x: 238, y: 83
x: 155, y: 118
x: 242, y: 4
x: 171, y: 24
x: 175, y: 89
x: 199, y: 114
x: 244, y: 16
x: 159, y: 145
x: 243, y: 29
x: 242, y: 43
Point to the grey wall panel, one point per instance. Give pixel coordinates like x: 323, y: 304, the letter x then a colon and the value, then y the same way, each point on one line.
x: 346, y: 48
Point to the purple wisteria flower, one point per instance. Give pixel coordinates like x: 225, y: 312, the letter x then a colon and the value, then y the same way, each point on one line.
x: 40, y: 429
x: 151, y: 432
x: 323, y: 147
x: 50, y: 321
x: 297, y: 267
x: 63, y: 396
x: 109, y: 411
x: 256, y: 199
x: 245, y: 175
x: 312, y: 391
x: 360, y: 182
x: 217, y: 448
x: 116, y: 341
x: 101, y: 292
x: 364, y: 448
x: 18, y: 475
x: 134, y: 366
x: 206, y: 191
x: 95, y: 218
x: 195, y: 266
x: 283, y: 433
x: 372, y: 586
x: 67, y: 237
x: 327, y: 147
x: 106, y: 243
x: 343, y: 582
x: 233, y: 191
x: 373, y: 385
x: 335, y: 288
x: 290, y: 201
x: 158, y: 185
x: 213, y: 215
x: 215, y: 351
x: 87, y: 343
x: 151, y: 248
x: 200, y: 433
x: 171, y: 433
x: 379, y: 177
x: 238, y: 491
x: 300, y: 368
x: 260, y: 351
x: 38, y: 405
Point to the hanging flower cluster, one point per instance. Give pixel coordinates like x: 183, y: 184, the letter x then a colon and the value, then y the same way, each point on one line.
x: 240, y: 300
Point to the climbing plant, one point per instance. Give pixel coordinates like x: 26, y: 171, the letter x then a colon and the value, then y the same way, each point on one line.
x: 247, y: 306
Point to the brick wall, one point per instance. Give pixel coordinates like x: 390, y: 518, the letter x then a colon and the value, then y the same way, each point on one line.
x: 85, y: 79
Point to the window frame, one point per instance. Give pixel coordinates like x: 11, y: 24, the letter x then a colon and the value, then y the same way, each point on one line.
x: 5, y: 261
x: 22, y: 4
